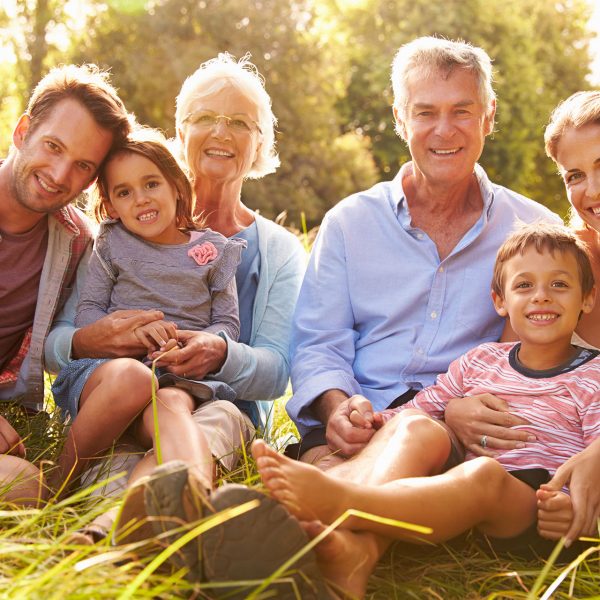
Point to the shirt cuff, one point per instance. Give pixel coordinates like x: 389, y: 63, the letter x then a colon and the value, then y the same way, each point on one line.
x: 228, y: 370
x: 62, y: 349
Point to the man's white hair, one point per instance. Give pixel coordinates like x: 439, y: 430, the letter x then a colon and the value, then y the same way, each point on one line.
x: 432, y: 54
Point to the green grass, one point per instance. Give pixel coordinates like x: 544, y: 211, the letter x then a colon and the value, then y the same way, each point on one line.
x: 37, y: 561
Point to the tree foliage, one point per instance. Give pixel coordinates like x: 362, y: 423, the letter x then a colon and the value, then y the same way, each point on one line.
x: 326, y: 64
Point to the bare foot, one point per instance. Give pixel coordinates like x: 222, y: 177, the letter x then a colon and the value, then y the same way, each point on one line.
x: 555, y: 513
x: 308, y: 493
x: 346, y: 559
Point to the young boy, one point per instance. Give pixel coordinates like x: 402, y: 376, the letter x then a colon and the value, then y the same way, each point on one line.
x: 543, y: 282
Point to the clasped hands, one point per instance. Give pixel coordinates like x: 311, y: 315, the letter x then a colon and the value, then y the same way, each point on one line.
x: 351, y: 425
x: 191, y: 354
x: 135, y: 333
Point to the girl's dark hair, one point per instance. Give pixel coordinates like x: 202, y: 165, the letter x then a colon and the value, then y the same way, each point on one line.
x: 151, y: 144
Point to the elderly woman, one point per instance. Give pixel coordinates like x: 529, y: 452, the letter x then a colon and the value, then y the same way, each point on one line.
x: 225, y: 127
x: 573, y: 141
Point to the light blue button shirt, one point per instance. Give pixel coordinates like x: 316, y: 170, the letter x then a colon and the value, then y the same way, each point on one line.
x: 378, y: 312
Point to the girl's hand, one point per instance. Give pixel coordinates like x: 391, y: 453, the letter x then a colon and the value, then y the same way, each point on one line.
x: 582, y: 474
x: 200, y: 353
x: 485, y: 418
x: 156, y: 334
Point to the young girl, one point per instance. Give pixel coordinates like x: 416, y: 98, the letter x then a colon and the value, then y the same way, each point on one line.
x: 148, y: 255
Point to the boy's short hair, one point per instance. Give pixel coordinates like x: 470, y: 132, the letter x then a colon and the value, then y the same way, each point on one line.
x: 89, y: 86
x: 551, y: 238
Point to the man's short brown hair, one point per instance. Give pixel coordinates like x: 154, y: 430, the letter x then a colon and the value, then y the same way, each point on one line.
x: 544, y: 237
x: 88, y: 85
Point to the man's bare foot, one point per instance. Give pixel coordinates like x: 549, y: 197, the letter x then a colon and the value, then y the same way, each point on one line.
x: 308, y: 493
x: 346, y: 559
x: 555, y: 513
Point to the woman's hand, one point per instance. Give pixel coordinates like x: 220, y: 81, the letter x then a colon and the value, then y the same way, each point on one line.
x: 113, y: 336
x: 199, y: 354
x: 483, y: 424
x: 582, y: 475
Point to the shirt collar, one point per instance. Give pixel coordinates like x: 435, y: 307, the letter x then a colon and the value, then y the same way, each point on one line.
x: 398, y: 197
x: 64, y: 217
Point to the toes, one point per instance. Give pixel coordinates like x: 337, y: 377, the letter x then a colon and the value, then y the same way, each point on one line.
x: 260, y: 449
x: 257, y: 449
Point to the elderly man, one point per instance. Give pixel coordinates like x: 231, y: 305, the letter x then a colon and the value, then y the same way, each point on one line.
x: 73, y: 119
x: 399, y: 279
x: 398, y: 283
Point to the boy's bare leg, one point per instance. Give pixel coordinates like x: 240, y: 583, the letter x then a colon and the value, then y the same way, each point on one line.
x: 346, y: 558
x: 412, y: 444
x: 555, y: 513
x: 115, y: 393
x: 479, y: 493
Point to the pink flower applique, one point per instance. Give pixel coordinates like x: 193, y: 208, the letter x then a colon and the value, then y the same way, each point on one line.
x: 203, y: 253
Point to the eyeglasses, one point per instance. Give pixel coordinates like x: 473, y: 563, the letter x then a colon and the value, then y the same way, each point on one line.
x: 208, y: 119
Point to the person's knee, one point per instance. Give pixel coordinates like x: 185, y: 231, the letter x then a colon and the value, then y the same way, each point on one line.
x: 133, y: 379
x: 421, y: 427
x: 486, y: 477
x: 173, y: 400
x: 21, y: 482
x: 171, y: 404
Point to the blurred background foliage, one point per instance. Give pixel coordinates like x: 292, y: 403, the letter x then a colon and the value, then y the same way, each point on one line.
x: 326, y: 64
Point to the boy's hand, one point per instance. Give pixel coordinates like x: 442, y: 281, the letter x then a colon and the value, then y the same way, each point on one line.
x: 555, y: 514
x: 582, y: 474
x: 156, y: 334
x: 361, y: 412
x: 10, y: 441
x: 381, y: 418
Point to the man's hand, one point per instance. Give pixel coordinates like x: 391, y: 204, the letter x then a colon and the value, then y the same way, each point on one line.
x: 10, y: 442
x: 474, y: 417
x: 156, y: 334
x: 200, y: 353
x: 582, y: 474
x: 342, y: 434
x: 113, y: 336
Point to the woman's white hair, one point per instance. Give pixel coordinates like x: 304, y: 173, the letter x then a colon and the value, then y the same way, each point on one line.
x: 217, y: 73
x: 431, y: 54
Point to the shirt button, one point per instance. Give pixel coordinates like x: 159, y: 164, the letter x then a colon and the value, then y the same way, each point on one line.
x: 441, y: 270
x: 419, y: 350
x: 433, y: 315
x: 420, y: 236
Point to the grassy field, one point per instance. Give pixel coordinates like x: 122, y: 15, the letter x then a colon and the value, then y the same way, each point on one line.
x: 37, y: 560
